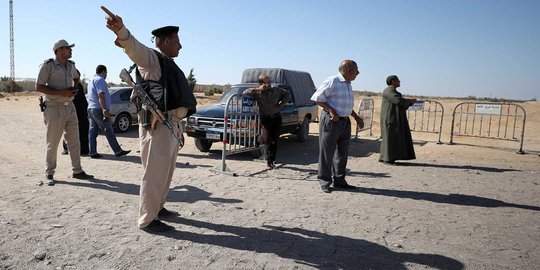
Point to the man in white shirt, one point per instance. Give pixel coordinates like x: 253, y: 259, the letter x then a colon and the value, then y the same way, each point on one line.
x: 336, y: 99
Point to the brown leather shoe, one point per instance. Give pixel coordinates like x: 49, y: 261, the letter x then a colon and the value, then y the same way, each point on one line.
x: 344, y: 186
x: 157, y: 226
x: 326, y: 189
x: 122, y: 153
x: 164, y: 213
x: 83, y: 176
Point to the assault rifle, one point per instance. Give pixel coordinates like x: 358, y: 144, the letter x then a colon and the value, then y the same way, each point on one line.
x: 146, y: 100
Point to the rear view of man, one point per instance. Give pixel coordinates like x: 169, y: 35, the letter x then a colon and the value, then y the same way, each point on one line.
x: 99, y: 104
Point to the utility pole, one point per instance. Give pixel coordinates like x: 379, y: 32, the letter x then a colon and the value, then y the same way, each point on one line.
x: 11, y: 48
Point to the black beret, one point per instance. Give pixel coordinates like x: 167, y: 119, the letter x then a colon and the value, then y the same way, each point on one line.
x: 390, y: 79
x: 165, y: 31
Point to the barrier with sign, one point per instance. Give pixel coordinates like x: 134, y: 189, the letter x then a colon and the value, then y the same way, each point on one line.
x: 502, y: 121
x: 365, y: 111
x: 426, y: 116
x: 242, y: 127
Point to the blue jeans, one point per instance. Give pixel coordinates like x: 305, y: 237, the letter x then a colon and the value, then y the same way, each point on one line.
x: 95, y: 117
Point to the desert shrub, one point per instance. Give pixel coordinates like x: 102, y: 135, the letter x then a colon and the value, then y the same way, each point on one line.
x: 213, y: 90
x: 217, y: 90
x: 209, y: 91
x: 6, y: 87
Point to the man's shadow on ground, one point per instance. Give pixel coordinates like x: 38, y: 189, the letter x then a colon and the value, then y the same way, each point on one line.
x: 452, y: 198
x: 136, y: 158
x: 310, y: 248
x: 183, y: 193
x: 462, y: 167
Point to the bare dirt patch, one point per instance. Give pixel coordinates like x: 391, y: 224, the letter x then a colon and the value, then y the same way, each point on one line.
x: 472, y: 205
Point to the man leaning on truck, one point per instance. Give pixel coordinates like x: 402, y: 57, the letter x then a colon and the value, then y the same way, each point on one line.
x: 271, y: 100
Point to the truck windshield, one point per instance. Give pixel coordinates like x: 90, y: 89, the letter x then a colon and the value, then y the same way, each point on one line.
x: 231, y: 92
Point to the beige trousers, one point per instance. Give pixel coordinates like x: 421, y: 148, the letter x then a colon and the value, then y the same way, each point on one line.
x: 159, y: 150
x: 62, y: 119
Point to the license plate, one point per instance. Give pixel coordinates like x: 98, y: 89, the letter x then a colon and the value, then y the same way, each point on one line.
x: 213, y: 136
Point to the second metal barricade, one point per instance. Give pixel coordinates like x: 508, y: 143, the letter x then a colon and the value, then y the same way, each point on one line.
x: 365, y: 111
x: 426, y: 116
x: 502, y: 121
x: 242, y: 127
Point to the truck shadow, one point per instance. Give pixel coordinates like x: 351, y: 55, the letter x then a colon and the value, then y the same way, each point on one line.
x: 292, y: 152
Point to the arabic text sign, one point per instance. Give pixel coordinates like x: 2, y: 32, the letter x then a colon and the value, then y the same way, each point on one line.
x: 417, y: 106
x: 247, y: 104
x: 488, y: 108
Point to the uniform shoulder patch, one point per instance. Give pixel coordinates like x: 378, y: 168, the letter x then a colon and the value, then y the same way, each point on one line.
x: 71, y: 61
x: 48, y: 60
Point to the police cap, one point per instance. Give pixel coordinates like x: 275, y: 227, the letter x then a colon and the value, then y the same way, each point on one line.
x: 62, y: 43
x: 165, y: 31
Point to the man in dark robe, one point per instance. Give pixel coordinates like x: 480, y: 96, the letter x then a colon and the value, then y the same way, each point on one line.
x: 81, y: 106
x: 396, y: 135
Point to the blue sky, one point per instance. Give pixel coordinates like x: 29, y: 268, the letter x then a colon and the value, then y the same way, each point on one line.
x: 456, y: 48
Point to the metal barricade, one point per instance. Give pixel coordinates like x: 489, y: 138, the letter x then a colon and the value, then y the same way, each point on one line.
x: 501, y: 121
x: 426, y: 116
x: 242, y: 127
x: 365, y: 111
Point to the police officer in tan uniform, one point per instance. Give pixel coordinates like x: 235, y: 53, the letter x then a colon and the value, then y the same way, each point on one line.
x: 57, y: 79
x: 165, y: 82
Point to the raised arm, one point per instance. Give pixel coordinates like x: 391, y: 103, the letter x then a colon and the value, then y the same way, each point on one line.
x: 139, y: 53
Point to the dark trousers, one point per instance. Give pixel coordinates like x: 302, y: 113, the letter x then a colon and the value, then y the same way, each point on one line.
x: 80, y: 106
x: 334, y: 138
x: 272, y: 128
x: 83, y: 133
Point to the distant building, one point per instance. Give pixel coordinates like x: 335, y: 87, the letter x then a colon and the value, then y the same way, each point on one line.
x: 25, y: 80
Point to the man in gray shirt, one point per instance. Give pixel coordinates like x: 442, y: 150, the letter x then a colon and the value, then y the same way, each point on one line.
x: 270, y: 100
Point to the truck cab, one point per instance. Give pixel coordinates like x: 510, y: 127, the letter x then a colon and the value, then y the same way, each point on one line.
x: 207, y: 125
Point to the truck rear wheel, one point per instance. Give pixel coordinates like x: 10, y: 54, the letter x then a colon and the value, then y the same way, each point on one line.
x: 203, y: 145
x: 303, y: 132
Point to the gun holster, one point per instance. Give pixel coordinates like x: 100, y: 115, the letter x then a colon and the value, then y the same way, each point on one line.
x: 42, y: 105
x: 145, y: 118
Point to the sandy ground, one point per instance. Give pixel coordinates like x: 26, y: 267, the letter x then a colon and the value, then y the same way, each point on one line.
x: 473, y: 205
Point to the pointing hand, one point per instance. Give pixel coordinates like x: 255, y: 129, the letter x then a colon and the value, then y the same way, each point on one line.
x: 114, y: 22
